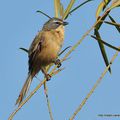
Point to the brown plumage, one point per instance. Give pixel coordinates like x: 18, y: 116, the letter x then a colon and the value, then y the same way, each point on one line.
x: 44, y: 51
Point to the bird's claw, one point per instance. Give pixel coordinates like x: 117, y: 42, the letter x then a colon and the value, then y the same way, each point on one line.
x: 58, y: 63
x: 48, y: 77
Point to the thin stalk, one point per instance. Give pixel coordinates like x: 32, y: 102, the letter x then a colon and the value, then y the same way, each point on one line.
x: 52, y: 73
x: 73, y: 10
x: 68, y: 8
x: 31, y: 94
x: 56, y: 8
x: 48, y: 101
x: 94, y: 87
x: 112, y: 23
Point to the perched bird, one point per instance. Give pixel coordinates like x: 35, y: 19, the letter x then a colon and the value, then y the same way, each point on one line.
x: 44, y: 51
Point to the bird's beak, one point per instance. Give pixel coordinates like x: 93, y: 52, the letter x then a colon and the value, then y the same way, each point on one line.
x: 65, y: 23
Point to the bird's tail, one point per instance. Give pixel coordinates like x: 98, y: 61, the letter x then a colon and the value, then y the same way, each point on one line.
x: 24, y: 89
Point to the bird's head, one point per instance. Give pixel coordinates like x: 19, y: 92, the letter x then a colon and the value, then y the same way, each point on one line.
x: 54, y: 23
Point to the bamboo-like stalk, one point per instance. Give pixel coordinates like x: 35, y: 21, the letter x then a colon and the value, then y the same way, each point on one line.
x: 94, y: 87
x: 48, y: 101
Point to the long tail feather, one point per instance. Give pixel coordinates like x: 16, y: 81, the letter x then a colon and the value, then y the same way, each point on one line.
x: 24, y: 89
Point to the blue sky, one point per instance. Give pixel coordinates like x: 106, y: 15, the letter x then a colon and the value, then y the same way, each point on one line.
x: 19, y: 23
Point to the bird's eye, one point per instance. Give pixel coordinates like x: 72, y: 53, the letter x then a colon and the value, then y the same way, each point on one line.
x: 57, y: 23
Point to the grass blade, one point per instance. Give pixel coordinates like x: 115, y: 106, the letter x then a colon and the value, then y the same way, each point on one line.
x: 101, y: 7
x: 102, y: 48
x: 25, y: 50
x: 56, y: 8
x: 61, y: 10
x: 98, y: 25
x: 117, y: 27
x: 105, y: 43
x: 106, y: 3
x: 68, y: 8
x: 64, y: 50
x: 112, y: 23
x: 115, y: 4
x: 77, y: 7
x: 39, y: 11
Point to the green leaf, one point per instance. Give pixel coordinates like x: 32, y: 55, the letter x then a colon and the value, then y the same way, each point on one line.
x: 102, y: 19
x: 39, y: 11
x: 25, y: 50
x: 106, y: 3
x: 117, y: 27
x: 116, y: 3
x: 114, y: 24
x: 64, y: 50
x: 68, y: 8
x: 77, y: 7
x: 105, y: 43
x: 101, y: 7
x: 102, y: 48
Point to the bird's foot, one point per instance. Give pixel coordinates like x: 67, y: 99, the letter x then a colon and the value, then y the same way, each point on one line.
x: 58, y: 63
x: 48, y: 77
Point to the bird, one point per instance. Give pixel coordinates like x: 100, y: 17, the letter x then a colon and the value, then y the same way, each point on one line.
x: 43, y: 51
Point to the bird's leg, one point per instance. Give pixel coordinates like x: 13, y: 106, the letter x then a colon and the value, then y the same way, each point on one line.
x: 47, y: 76
x: 57, y: 62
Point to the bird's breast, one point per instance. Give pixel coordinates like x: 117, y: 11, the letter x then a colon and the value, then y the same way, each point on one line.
x: 51, y: 47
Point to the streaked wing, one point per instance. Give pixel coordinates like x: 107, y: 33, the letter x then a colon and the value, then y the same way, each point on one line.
x: 35, y: 48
